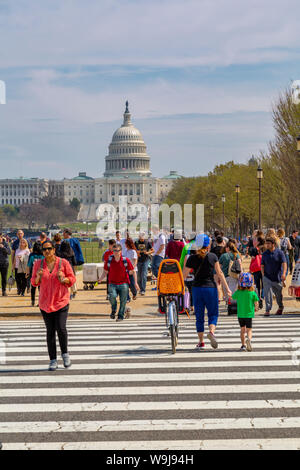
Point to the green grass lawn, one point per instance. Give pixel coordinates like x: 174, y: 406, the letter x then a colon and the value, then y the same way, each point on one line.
x: 91, y: 252
x: 79, y: 227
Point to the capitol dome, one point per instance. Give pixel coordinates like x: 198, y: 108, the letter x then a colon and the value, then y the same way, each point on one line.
x: 127, y: 152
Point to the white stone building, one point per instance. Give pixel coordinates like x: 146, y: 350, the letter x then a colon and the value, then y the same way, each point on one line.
x: 127, y: 173
x: 21, y: 191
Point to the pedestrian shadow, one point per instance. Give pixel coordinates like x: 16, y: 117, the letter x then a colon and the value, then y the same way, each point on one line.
x: 137, y: 352
x: 285, y: 315
x: 16, y: 306
x: 14, y: 371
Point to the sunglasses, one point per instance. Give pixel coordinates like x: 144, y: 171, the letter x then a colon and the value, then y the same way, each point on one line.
x: 48, y: 248
x: 115, y: 249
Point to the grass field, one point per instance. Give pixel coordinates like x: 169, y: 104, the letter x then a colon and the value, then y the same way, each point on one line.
x: 80, y: 227
x: 91, y: 252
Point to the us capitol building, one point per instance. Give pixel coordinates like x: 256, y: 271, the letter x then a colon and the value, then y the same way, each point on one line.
x: 127, y: 173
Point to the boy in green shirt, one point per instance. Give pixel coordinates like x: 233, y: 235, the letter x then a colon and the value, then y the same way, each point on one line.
x: 247, y: 303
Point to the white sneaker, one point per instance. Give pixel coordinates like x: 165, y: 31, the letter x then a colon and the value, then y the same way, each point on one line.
x: 248, y: 345
x: 53, y: 365
x: 67, y: 360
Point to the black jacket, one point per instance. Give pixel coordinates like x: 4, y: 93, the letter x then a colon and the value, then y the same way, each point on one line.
x: 5, y: 251
x: 71, y: 258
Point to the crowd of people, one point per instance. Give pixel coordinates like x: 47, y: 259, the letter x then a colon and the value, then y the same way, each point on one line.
x: 212, y: 268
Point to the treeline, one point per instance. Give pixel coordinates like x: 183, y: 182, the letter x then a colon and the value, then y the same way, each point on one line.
x: 49, y: 211
x: 280, y: 183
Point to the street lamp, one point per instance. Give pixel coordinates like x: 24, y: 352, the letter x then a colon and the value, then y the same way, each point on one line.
x: 237, y: 190
x: 212, y: 217
x: 259, y: 177
x: 223, y: 202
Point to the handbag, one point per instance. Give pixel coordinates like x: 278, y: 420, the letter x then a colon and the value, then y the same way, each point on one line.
x: 187, y: 300
x: 22, y: 266
x: 255, y: 264
x: 11, y: 281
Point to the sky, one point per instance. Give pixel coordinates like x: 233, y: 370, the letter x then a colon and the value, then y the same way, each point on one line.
x: 201, y: 77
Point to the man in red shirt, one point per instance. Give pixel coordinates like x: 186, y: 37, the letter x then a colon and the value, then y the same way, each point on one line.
x: 118, y: 280
x: 175, y: 246
x: 109, y: 252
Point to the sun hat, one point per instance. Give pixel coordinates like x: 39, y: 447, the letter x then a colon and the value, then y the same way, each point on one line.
x: 246, y: 280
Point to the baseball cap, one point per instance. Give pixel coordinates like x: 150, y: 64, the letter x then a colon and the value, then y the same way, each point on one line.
x: 202, y: 240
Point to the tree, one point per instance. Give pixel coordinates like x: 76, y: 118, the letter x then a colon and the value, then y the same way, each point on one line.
x: 283, y: 158
x: 75, y: 204
x: 3, y: 219
x: 56, y: 210
x: 280, y: 185
x: 32, y: 214
x: 52, y: 216
x: 10, y: 211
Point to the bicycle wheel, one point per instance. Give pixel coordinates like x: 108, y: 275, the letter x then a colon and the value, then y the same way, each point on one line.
x: 173, y: 326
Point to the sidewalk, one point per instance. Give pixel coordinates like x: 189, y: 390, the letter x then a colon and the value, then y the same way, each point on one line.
x: 87, y: 303
x: 93, y: 304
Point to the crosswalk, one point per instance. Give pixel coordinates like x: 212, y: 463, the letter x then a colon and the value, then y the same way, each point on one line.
x: 125, y: 390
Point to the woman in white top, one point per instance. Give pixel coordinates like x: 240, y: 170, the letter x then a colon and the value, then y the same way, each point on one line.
x: 132, y: 255
x: 20, y: 265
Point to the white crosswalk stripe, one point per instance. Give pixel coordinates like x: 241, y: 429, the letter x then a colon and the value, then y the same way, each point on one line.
x: 125, y: 390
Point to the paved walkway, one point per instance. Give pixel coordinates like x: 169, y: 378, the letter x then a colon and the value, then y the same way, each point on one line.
x: 93, y: 303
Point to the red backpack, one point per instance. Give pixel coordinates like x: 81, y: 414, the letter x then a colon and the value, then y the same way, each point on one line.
x: 255, y: 264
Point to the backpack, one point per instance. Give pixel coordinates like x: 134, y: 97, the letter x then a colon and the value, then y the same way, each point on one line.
x: 255, y: 265
x: 284, y: 245
x: 234, y: 268
x: 43, y: 264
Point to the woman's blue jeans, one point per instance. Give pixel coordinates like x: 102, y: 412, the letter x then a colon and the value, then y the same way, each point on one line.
x: 205, y: 297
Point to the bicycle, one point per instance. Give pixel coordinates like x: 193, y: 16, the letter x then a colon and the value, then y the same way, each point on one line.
x: 170, y: 290
x: 172, y: 322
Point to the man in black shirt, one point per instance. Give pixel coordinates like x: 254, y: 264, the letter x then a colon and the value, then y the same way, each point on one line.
x: 144, y: 250
x: 4, y: 262
x: 294, y: 253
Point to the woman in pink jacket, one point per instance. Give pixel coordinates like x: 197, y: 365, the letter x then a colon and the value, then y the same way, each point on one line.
x: 54, y: 276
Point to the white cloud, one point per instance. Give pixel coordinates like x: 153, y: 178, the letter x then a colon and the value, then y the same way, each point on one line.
x: 160, y: 32
x: 157, y: 98
x: 50, y: 118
